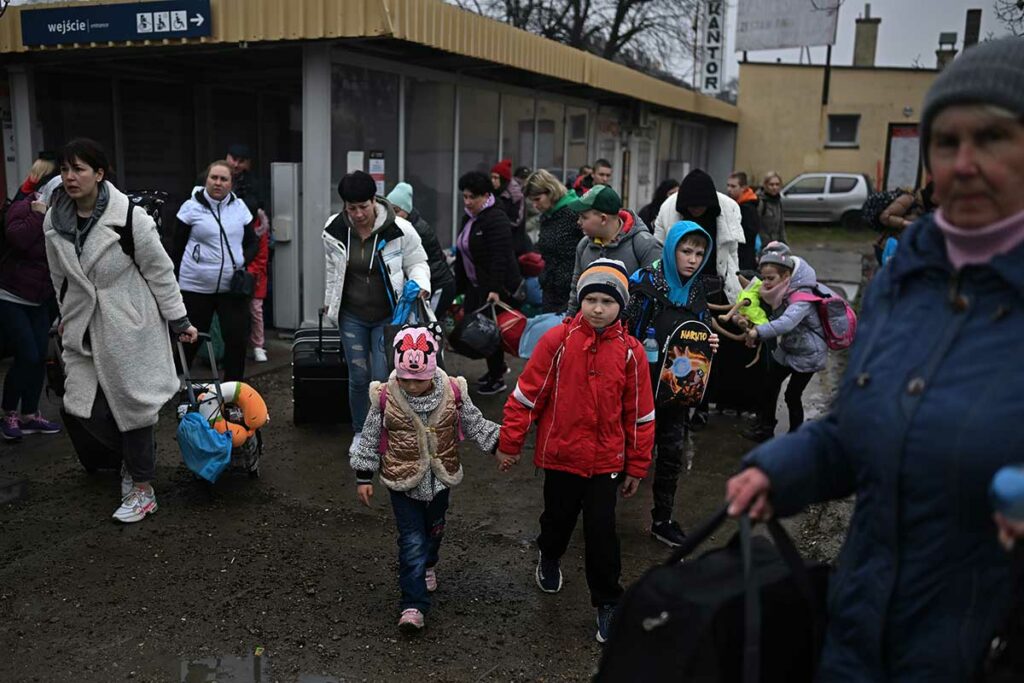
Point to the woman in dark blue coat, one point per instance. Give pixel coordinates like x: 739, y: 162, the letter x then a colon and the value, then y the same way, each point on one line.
x: 930, y: 406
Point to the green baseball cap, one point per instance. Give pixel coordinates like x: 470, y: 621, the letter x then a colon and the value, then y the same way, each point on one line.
x: 600, y: 198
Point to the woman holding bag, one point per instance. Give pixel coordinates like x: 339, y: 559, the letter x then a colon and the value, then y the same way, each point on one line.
x: 115, y: 304
x: 486, y: 270
x: 214, y: 244
x: 929, y: 406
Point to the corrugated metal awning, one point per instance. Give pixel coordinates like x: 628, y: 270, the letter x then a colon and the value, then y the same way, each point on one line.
x: 431, y: 23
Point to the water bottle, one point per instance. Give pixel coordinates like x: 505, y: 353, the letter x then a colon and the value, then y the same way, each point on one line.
x: 1007, y: 492
x: 651, y: 347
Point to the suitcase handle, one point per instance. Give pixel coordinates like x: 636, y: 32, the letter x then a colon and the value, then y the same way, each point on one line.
x: 213, y: 366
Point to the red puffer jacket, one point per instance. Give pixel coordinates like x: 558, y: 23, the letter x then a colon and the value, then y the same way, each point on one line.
x: 591, y: 395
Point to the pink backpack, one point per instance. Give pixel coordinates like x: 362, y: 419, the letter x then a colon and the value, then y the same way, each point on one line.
x: 838, y: 320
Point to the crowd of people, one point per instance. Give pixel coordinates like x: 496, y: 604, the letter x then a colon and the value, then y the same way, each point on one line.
x: 922, y: 580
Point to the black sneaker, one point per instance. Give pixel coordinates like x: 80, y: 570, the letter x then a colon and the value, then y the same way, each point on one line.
x: 548, y: 574
x: 668, y: 532
x: 760, y: 433
x: 486, y: 379
x: 605, y: 614
x: 493, y: 386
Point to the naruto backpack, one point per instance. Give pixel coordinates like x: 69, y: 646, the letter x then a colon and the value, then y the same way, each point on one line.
x: 838, y: 319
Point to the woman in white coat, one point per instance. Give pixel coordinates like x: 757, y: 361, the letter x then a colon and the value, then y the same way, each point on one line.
x: 370, y: 254
x: 214, y: 239
x: 117, y: 296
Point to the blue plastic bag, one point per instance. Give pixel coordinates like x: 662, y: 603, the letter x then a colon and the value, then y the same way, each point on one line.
x: 535, y: 328
x: 205, y: 451
x: 406, y: 306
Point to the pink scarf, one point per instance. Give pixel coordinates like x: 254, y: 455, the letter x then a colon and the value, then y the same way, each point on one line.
x: 775, y: 296
x: 981, y: 245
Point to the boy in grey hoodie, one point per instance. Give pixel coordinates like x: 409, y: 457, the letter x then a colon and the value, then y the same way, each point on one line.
x: 612, y: 233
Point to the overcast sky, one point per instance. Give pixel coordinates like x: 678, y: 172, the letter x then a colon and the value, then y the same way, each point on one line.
x: 909, y: 30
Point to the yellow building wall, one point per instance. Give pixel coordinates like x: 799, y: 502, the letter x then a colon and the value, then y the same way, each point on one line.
x: 783, y: 125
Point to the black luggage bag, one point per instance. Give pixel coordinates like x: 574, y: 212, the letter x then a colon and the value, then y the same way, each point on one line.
x: 97, y: 442
x: 319, y: 376
x: 749, y: 611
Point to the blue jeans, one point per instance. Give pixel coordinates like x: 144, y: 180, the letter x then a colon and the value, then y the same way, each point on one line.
x: 420, y: 530
x: 364, y: 352
x: 26, y: 330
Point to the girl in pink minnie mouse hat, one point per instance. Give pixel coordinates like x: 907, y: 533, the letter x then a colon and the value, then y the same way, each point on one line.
x: 410, y: 439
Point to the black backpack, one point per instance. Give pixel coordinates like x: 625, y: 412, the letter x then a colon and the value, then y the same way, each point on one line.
x: 749, y: 611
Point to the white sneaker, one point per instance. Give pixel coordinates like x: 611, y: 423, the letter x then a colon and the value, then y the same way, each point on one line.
x: 136, y: 505
x: 259, y: 355
x: 126, y: 482
x: 356, y: 439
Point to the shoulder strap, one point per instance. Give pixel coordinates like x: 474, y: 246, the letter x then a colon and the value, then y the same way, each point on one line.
x: 126, y: 233
x: 459, y: 434
x: 382, y: 444
x: 126, y: 236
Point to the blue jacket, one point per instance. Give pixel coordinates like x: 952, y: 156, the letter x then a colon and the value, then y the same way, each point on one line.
x: 929, y: 408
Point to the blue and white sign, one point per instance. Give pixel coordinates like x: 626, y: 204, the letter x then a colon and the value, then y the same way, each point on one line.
x: 116, y: 23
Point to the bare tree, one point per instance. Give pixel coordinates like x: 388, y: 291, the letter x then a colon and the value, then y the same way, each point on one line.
x: 1011, y: 13
x: 652, y: 34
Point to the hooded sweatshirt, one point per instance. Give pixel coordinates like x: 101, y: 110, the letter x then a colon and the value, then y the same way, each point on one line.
x: 654, y: 288
x: 797, y: 326
x: 634, y: 246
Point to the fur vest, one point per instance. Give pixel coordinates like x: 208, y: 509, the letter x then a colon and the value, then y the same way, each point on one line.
x: 411, y: 447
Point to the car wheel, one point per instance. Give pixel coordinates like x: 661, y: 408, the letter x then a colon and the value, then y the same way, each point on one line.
x: 852, y: 220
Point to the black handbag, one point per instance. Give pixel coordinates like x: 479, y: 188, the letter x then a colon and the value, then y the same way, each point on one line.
x: 750, y: 611
x: 477, y: 335
x: 243, y: 283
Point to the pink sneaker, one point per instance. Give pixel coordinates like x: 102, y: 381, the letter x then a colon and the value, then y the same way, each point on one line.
x: 431, y: 580
x: 411, y: 621
x: 37, y: 424
x: 10, y: 427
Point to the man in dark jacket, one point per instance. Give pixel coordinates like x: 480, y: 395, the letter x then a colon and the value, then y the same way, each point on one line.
x: 442, y: 280
x: 246, y: 185
x: 739, y: 189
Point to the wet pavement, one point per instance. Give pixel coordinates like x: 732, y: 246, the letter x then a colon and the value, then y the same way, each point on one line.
x: 288, y: 578
x: 290, y: 566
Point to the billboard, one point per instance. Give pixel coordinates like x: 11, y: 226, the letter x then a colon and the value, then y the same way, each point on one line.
x: 772, y: 24
x: 712, y: 46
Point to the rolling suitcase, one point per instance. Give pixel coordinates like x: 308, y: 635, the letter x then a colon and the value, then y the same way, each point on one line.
x: 319, y: 376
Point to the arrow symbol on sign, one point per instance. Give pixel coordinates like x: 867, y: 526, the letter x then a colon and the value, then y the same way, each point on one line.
x: 197, y: 20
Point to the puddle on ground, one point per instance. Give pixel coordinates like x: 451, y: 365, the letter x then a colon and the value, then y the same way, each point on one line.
x: 230, y: 669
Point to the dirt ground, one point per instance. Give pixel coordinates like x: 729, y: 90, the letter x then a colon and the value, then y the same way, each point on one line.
x: 288, y: 578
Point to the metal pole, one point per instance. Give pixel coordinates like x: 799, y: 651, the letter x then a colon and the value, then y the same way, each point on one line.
x: 828, y: 75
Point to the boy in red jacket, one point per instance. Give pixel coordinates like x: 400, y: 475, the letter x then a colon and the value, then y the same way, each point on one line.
x: 588, y: 387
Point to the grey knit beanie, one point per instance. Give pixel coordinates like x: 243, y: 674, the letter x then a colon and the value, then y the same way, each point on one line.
x: 989, y: 73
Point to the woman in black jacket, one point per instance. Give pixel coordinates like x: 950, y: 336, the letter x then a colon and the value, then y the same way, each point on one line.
x: 560, y: 234
x: 486, y: 269
x: 667, y: 187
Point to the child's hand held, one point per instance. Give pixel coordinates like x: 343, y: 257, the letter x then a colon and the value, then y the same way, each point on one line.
x: 364, y: 492
x: 630, y: 486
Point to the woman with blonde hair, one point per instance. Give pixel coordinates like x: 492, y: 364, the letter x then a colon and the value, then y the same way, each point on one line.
x: 773, y: 222
x: 42, y: 170
x: 559, y: 235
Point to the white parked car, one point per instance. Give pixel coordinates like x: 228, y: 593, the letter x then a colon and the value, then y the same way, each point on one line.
x: 826, y: 198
